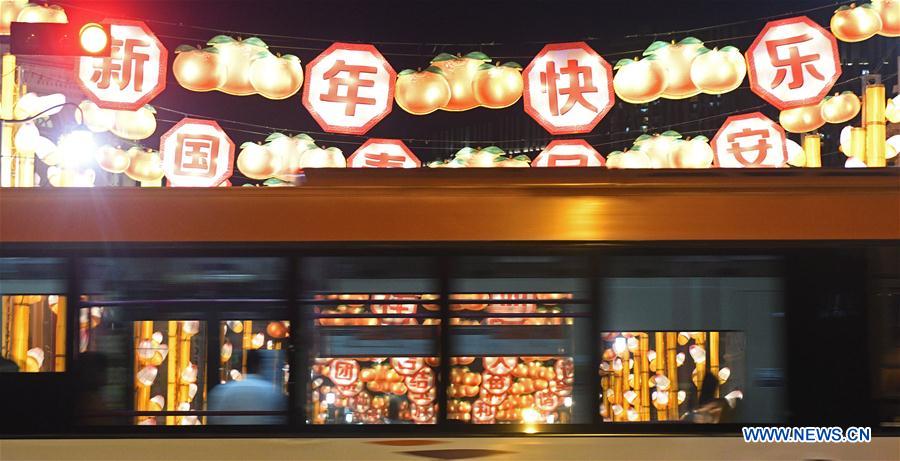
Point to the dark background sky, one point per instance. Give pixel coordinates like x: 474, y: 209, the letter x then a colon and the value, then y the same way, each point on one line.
x: 505, y: 30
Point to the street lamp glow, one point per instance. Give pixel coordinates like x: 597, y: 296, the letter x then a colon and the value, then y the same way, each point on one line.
x: 93, y: 38
x: 76, y: 148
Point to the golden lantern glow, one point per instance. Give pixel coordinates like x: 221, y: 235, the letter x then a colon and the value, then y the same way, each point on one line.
x: 724, y: 374
x: 198, y: 70
x: 135, y: 125
x: 841, y: 107
x: 235, y: 325
x: 189, y: 373
x: 496, y: 87
x: 276, y: 77
x: 876, y: 134
x: 257, y: 341
x: 796, y: 155
x: 145, y: 165
x: 147, y: 375
x: 812, y: 149
x: 95, y: 118
x: 34, y: 360
x: 26, y: 139
x: 34, y: 12
x: 801, y: 119
x: 639, y: 81
x: 460, y: 72
x: 676, y: 59
x: 235, y: 58
x: 157, y: 403
x: 718, y: 71
x: 698, y: 353
x: 225, y: 354
x: 857, y: 144
x: 855, y: 23
x: 889, y: 11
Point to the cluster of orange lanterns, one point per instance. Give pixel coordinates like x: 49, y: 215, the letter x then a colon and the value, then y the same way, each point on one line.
x: 238, y: 67
x: 855, y: 23
x: 458, y: 83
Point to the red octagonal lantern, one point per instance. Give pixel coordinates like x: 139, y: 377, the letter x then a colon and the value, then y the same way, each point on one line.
x: 349, y: 88
x: 793, y: 62
x: 568, y: 88
x: 568, y: 152
x: 134, y: 73
x: 383, y: 153
x: 749, y: 141
x: 196, y: 153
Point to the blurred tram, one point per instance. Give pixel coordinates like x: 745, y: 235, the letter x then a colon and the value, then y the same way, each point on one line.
x: 403, y: 312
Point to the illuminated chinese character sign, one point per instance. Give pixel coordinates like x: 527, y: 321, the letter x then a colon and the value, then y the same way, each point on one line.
x: 196, y: 153
x: 134, y: 73
x: 568, y: 88
x: 383, y: 153
x: 568, y: 152
x: 750, y: 141
x: 793, y: 62
x: 349, y: 88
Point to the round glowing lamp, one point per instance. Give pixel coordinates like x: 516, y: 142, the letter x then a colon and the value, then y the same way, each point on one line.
x: 93, y: 38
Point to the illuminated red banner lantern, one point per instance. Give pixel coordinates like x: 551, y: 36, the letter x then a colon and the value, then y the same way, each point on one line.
x: 343, y: 372
x: 568, y: 88
x: 750, y: 141
x: 196, y: 153
x: 134, y: 73
x: 793, y: 62
x: 383, y: 153
x: 349, y: 88
x: 568, y: 152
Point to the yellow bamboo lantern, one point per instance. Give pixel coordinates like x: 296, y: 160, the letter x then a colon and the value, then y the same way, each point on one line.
x: 875, y: 126
x: 812, y: 148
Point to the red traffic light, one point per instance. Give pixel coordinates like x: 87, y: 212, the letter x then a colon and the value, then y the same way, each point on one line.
x: 53, y: 39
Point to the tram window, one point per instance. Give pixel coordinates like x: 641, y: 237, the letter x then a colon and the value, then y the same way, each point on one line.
x: 127, y: 366
x: 374, y: 353
x: 130, y: 278
x: 33, y: 315
x: 253, y: 372
x: 662, y: 376
x: 520, y: 330
x: 687, y: 306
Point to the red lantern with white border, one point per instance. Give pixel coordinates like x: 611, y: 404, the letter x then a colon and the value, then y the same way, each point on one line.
x: 564, y: 369
x: 343, y: 372
x: 349, y: 88
x: 196, y: 153
x: 496, y: 384
x: 133, y: 75
x: 351, y: 389
x: 500, y: 365
x: 568, y: 88
x: 793, y: 62
x: 396, y: 309
x: 420, y: 382
x: 383, y: 153
x: 546, y: 400
x: 483, y: 413
x: 424, y: 398
x: 504, y: 307
x: 423, y: 414
x: 568, y: 152
x: 407, y: 366
x: 749, y: 141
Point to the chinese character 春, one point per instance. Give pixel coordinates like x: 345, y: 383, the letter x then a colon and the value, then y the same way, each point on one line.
x: 761, y: 146
x: 194, y: 154
x: 384, y: 160
x: 124, y: 65
x: 580, y: 81
x: 797, y: 63
x: 352, y: 83
x: 567, y: 160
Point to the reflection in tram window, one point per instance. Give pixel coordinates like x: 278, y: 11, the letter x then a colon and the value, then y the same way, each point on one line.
x: 169, y: 363
x: 491, y: 390
x: 529, y: 389
x: 374, y: 390
x: 238, y: 336
x: 694, y: 376
x: 33, y: 332
x: 375, y: 324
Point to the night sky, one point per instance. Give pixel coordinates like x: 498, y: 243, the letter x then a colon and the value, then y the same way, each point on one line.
x: 506, y: 31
